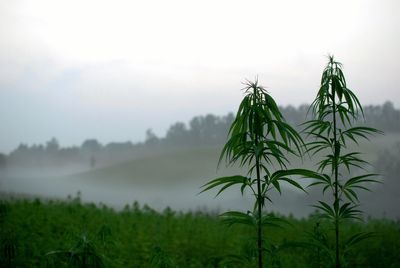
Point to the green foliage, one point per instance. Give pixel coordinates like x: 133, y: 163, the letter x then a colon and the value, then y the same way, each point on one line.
x: 336, y: 109
x: 82, y: 254
x: 259, y: 139
x: 140, y: 237
x: 259, y: 132
x: 160, y: 259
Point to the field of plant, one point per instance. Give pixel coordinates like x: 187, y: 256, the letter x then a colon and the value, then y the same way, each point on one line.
x: 38, y: 233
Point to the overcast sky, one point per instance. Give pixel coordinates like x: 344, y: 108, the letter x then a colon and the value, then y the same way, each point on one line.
x: 111, y: 69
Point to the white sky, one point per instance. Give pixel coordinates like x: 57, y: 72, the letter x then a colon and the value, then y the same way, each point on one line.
x: 111, y: 69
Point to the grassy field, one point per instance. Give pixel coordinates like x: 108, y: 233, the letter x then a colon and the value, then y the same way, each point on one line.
x: 63, y: 234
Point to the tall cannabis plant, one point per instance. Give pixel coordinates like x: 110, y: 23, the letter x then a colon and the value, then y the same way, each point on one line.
x: 336, y: 110
x: 259, y: 139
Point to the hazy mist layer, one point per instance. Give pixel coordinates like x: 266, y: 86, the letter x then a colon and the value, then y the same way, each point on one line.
x: 174, y: 178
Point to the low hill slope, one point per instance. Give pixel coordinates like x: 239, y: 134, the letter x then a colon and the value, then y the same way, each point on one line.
x: 166, y: 169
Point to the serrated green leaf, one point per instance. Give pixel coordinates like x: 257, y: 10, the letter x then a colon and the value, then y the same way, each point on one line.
x: 225, y: 182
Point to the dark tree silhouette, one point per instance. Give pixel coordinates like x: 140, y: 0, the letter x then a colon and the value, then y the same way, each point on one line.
x: 91, y: 146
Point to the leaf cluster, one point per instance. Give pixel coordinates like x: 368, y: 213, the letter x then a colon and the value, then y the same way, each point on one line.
x: 260, y: 136
x: 82, y: 254
x: 260, y: 139
x: 336, y: 108
x: 259, y: 132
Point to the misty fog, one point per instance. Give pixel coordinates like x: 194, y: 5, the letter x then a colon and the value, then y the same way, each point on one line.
x: 169, y: 171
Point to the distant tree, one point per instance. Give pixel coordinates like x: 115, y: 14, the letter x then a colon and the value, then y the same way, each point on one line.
x: 37, y: 149
x: 69, y: 154
x: 91, y: 146
x: 19, y: 155
x: 228, y: 120
x: 115, y: 147
x: 209, y: 129
x: 388, y: 108
x: 391, y: 116
x: 52, y: 146
x: 22, y: 148
x: 385, y: 117
x: 177, y: 134
x: 210, y: 126
x: 151, y: 138
x: 196, y: 129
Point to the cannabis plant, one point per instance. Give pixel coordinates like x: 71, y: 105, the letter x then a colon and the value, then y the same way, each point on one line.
x: 259, y: 139
x: 83, y: 254
x: 336, y: 110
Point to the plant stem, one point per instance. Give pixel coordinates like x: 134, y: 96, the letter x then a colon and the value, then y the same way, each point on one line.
x: 336, y: 152
x: 259, y: 201
x: 259, y: 195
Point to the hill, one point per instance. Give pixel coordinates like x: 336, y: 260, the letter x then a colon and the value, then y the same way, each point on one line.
x: 173, y: 178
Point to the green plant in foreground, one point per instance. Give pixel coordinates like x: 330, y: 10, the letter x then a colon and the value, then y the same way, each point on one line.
x: 336, y: 108
x: 82, y: 254
x: 259, y: 139
x: 190, y: 239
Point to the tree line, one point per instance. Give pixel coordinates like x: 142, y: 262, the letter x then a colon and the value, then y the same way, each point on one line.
x: 208, y: 130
